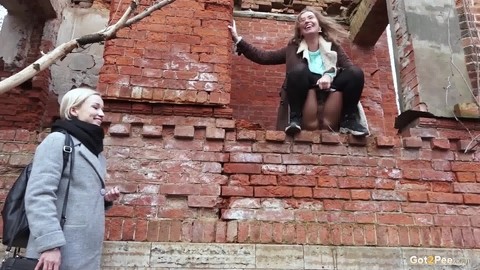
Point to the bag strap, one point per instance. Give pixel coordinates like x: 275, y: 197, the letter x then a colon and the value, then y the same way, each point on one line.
x: 68, y: 150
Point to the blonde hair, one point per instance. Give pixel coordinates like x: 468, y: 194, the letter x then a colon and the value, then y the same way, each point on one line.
x: 74, y: 98
x: 331, y: 30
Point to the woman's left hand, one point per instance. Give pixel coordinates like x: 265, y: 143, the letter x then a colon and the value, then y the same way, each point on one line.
x: 324, y: 82
x: 112, y: 195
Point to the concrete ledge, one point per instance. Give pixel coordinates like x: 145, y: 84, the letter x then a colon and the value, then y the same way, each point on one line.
x: 163, y: 256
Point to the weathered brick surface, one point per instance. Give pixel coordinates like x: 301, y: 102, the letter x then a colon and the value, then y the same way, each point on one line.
x: 178, y: 55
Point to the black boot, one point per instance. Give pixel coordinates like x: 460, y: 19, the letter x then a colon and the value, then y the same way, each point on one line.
x: 295, y: 122
x: 351, y: 124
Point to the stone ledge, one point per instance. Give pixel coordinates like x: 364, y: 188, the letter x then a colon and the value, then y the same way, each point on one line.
x: 160, y: 255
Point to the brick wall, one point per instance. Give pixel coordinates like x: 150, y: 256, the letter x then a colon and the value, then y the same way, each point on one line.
x: 178, y: 55
x: 202, y: 180
x: 256, y: 88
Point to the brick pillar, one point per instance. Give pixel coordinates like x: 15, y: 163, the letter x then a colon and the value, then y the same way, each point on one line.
x: 179, y: 56
x: 429, y: 56
x: 467, y: 14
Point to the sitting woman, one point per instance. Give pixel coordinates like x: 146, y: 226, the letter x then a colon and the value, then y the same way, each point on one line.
x: 315, y: 65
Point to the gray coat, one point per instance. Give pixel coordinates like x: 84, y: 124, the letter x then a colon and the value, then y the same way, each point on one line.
x: 81, y: 239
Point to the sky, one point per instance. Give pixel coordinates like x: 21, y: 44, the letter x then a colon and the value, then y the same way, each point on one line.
x: 3, y: 12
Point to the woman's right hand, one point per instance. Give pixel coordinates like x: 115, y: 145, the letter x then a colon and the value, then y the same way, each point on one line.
x: 233, y: 31
x: 49, y: 260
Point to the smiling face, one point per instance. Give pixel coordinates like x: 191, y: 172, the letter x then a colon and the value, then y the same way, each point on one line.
x: 308, y: 24
x: 90, y: 111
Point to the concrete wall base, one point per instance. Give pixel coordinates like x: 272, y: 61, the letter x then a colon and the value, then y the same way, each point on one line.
x: 163, y: 256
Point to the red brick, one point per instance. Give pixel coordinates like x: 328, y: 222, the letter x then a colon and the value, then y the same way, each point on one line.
x: 273, y: 192
x: 297, y: 180
x: 464, y: 166
x: 278, y: 232
x: 471, y: 199
x: 465, y: 176
x: 417, y: 196
x: 361, y: 195
x: 357, y: 182
x: 385, y: 141
x: 237, y: 191
x: 246, y: 157
x: 312, y: 233
x: 266, y: 232
x: 382, y: 235
x: 330, y: 138
x: 189, y: 189
x: 395, y: 219
x: 419, y: 208
x: 365, y: 217
x: 184, y: 132
x: 440, y: 143
x: 202, y: 201
x: 466, y: 188
x: 331, y: 193
x: 445, y: 198
x: 412, y: 142
x: 242, y: 168
x: 215, y: 133
x: 465, y: 145
x: 414, y: 236
x: 232, y: 231
x: 451, y: 221
x: 302, y: 192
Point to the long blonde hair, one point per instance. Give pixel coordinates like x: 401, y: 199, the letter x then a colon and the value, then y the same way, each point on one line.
x: 331, y: 30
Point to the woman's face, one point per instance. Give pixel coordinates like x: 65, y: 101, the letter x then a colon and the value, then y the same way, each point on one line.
x: 91, y: 110
x: 308, y: 24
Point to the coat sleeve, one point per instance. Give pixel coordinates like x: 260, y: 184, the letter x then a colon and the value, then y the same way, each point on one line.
x: 40, y: 195
x: 343, y: 61
x: 262, y: 57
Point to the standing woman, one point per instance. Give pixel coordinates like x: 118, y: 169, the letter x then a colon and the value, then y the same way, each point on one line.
x: 78, y: 245
x: 315, y: 63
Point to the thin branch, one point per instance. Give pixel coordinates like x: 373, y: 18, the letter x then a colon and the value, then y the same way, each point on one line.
x: 159, y: 4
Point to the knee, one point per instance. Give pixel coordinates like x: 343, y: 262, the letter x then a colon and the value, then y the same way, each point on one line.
x: 297, y: 72
x: 355, y: 73
x: 310, y: 125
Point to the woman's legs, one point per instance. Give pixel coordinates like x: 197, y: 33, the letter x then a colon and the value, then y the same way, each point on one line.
x: 299, y: 81
x: 350, y: 83
x: 310, y: 111
x: 332, y: 111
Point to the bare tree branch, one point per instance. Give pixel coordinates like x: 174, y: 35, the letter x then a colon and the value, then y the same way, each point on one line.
x: 61, y: 51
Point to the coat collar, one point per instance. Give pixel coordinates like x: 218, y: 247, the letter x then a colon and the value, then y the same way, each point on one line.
x: 329, y: 57
x: 324, y: 46
x: 97, y: 163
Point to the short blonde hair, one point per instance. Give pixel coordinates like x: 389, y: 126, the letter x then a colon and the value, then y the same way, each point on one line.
x: 74, y: 98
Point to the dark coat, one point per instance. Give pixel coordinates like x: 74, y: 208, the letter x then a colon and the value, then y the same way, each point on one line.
x: 286, y: 55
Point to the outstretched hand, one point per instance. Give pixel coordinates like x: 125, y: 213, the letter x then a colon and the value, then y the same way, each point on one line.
x: 233, y: 31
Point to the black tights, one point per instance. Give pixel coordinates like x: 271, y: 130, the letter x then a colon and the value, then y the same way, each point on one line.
x: 349, y: 81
